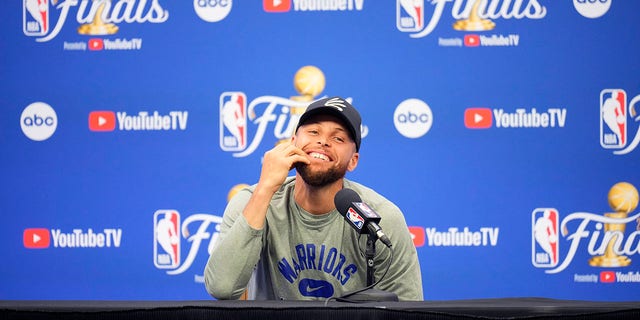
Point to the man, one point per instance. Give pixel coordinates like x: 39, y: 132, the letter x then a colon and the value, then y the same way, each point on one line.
x: 287, y: 233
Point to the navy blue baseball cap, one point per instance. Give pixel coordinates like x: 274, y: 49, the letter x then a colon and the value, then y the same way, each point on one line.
x: 340, y: 108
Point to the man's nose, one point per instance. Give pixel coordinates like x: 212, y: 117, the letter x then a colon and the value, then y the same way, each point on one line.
x: 323, y: 141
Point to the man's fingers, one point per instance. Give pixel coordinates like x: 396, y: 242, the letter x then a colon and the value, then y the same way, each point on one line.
x: 290, y: 153
x: 298, y: 159
x: 303, y: 159
x: 291, y: 150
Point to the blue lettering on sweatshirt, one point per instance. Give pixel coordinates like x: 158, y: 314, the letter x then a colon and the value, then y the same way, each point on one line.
x: 308, y: 257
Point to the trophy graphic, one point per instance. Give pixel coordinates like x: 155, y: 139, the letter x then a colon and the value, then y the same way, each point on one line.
x: 474, y: 22
x: 234, y: 190
x: 98, y: 27
x: 309, y: 81
x: 623, y: 198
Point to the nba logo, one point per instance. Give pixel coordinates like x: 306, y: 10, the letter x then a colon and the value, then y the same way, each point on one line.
x: 355, y: 218
x: 233, y: 121
x: 410, y: 15
x: 544, y: 237
x: 613, y: 118
x: 166, y: 239
x: 35, y: 17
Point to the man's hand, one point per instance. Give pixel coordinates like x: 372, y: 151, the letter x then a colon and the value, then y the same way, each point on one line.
x: 277, y: 163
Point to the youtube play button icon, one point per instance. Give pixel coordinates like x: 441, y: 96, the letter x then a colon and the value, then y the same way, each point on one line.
x: 102, y: 121
x: 478, y: 118
x: 36, y: 238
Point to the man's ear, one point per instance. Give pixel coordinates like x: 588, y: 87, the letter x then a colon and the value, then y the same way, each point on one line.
x: 353, y: 162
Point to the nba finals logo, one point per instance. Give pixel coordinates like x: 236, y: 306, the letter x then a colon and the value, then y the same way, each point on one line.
x: 614, y: 123
x: 200, y: 230
x: 413, y: 17
x: 237, y: 113
x: 166, y: 239
x: 45, y: 19
x: 603, y: 235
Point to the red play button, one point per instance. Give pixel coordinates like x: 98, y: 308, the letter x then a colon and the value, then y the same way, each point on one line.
x: 478, y: 118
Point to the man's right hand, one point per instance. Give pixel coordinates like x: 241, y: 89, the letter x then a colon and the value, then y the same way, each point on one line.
x: 276, y: 165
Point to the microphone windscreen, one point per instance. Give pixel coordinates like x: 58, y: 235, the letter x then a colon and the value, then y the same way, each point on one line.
x: 344, y: 198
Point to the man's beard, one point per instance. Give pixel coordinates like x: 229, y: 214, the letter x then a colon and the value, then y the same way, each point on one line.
x: 320, y: 179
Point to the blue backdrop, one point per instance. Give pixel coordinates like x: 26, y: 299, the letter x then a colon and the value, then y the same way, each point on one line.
x: 499, y: 129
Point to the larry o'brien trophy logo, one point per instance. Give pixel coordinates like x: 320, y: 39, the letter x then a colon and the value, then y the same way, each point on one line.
x: 474, y: 22
x: 236, y: 111
x: 98, y: 26
x: 309, y: 81
x: 623, y: 198
x: 614, y: 123
x: 604, y: 235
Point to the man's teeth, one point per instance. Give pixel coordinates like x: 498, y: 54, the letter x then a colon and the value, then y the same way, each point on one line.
x: 319, y: 156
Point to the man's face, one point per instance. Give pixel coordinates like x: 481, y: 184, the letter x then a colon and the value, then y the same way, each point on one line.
x: 329, y: 147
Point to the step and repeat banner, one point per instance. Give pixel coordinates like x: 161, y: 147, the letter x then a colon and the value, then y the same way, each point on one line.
x: 506, y: 130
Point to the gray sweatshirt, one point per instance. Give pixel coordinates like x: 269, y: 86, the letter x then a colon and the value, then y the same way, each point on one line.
x: 300, y: 256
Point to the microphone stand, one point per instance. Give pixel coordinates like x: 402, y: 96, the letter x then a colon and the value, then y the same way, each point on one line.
x: 369, y: 254
x: 372, y: 294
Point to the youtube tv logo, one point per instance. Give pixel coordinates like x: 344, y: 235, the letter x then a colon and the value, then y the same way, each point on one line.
x: 607, y: 276
x: 102, y: 121
x: 418, y: 236
x: 276, y: 5
x: 36, y: 238
x: 96, y: 44
x: 471, y: 40
x: 478, y: 118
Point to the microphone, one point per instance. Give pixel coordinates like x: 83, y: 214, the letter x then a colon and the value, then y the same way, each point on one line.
x: 359, y: 215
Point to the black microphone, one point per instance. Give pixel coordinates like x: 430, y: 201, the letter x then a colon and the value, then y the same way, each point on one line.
x: 359, y: 215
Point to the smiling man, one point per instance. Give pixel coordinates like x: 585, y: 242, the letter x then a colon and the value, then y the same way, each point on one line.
x: 283, y: 238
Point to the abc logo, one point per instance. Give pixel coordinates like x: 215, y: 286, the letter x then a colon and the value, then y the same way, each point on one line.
x: 413, y: 118
x: 38, y: 121
x: 592, y: 8
x: 212, y: 10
